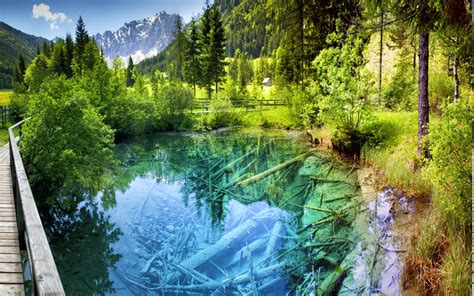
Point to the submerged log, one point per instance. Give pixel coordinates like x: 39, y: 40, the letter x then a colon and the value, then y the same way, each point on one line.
x: 329, y: 284
x: 273, y: 240
x: 273, y: 170
x: 255, y: 245
x: 219, y: 246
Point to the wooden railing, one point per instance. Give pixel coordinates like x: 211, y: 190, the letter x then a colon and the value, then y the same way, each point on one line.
x: 45, y: 276
x: 203, y: 103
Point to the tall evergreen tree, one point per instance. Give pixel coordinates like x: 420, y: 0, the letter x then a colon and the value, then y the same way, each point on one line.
x: 206, y: 26
x: 19, y: 71
x: 59, y: 59
x: 69, y: 55
x: 422, y: 15
x: 216, y: 48
x: 130, y: 67
x: 82, y: 37
x: 46, y: 49
x: 193, y: 67
x: 179, y: 37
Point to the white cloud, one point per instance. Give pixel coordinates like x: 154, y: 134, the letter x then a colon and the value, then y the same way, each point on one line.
x: 53, y: 18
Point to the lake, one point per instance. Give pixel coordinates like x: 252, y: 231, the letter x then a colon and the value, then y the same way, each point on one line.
x: 232, y: 212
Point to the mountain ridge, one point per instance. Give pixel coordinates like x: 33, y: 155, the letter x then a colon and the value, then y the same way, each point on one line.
x: 138, y: 38
x: 12, y: 43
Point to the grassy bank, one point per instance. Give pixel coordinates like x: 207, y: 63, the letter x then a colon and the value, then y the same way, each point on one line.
x: 397, y: 153
x: 439, y: 259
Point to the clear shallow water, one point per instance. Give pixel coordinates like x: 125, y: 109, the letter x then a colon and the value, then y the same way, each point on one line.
x: 189, y: 214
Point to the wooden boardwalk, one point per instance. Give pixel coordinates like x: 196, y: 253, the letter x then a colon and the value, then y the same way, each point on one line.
x: 11, y: 271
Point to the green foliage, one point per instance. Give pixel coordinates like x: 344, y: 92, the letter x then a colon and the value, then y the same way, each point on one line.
x: 37, y: 72
x: 66, y: 145
x: 12, y: 43
x: 401, y: 94
x: 221, y: 114
x: 343, y: 82
x: 212, y: 49
x: 449, y: 169
x: 348, y: 139
x: 130, y: 67
x: 440, y: 89
x: 171, y: 101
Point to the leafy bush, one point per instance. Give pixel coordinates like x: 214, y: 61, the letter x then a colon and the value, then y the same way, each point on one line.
x: 66, y: 145
x: 221, y: 114
x: 343, y: 82
x: 130, y: 115
x: 440, y: 89
x: 19, y: 105
x: 348, y: 139
x: 401, y: 93
x: 449, y: 169
x: 172, y: 100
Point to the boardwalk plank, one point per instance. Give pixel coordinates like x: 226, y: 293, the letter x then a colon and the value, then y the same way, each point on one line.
x: 9, y: 250
x: 9, y: 242
x: 12, y: 289
x: 11, y: 267
x: 10, y: 258
x: 11, y: 278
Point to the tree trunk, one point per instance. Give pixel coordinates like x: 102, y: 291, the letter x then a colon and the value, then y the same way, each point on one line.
x: 423, y: 103
x: 456, y: 78
x: 414, y: 56
x: 380, y: 55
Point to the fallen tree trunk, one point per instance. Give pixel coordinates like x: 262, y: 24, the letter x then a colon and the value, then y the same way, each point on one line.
x: 255, y: 245
x: 273, y: 170
x: 219, y: 246
x: 330, y: 282
x: 273, y: 240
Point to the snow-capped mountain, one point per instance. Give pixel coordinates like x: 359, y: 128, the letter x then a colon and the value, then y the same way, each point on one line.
x: 139, y: 39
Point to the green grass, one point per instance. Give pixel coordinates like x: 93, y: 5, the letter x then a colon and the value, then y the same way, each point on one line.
x: 3, y: 136
x: 5, y: 95
x: 397, y: 155
x: 277, y: 117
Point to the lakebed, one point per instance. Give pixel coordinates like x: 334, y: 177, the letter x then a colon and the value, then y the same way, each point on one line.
x: 231, y: 212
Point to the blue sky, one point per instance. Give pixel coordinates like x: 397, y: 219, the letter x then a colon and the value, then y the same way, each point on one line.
x: 52, y: 18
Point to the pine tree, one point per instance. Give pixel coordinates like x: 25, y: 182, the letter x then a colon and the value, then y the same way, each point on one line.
x: 19, y: 70
x: 216, y: 48
x: 69, y: 55
x: 193, y: 68
x: 46, y: 49
x: 82, y: 38
x: 423, y: 16
x: 60, y: 60
x: 130, y: 79
x: 206, y: 24
x: 179, y: 37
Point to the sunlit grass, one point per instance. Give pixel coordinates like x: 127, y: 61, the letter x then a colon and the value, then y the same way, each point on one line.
x: 5, y: 97
x: 276, y: 117
x: 396, y: 156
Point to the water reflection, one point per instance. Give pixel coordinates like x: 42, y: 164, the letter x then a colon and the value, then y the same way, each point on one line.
x: 227, y: 213
x: 82, y: 242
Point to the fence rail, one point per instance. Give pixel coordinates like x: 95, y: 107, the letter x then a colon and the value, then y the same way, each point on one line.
x: 45, y: 276
x: 204, y: 103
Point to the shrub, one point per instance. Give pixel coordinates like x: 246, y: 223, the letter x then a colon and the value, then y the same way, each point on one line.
x: 172, y: 100
x: 440, y: 89
x: 348, y: 139
x: 401, y: 92
x: 221, y: 114
x: 66, y: 146
x: 449, y: 169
